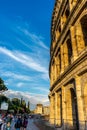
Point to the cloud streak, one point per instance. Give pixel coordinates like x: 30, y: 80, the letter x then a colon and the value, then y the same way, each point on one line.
x: 17, y: 76
x: 28, y: 97
x: 24, y: 59
x: 34, y: 38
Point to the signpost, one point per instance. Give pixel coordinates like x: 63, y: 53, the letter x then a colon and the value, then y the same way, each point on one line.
x: 4, y: 106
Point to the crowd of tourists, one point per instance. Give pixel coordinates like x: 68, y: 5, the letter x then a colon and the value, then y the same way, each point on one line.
x: 11, y: 122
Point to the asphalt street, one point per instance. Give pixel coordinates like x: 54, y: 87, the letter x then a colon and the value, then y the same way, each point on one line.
x: 31, y: 125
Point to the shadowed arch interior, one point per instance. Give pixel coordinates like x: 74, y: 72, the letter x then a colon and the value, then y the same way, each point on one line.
x: 84, y: 28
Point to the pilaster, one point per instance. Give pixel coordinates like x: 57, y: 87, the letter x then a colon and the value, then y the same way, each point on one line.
x: 74, y: 44
x: 80, y: 103
x: 51, y: 80
x: 56, y: 108
x: 52, y: 109
x: 64, y: 105
x: 79, y: 38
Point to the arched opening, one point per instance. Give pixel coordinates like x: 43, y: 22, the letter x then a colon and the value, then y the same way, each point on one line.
x: 59, y: 61
x: 74, y: 109
x: 59, y: 29
x: 67, y: 13
x: 69, y: 46
x: 84, y: 28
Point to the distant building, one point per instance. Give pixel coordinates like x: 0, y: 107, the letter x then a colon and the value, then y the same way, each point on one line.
x: 43, y: 110
x: 68, y: 65
x: 39, y: 109
x: 46, y: 110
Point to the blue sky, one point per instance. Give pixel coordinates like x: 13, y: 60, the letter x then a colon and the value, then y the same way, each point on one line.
x: 24, y: 48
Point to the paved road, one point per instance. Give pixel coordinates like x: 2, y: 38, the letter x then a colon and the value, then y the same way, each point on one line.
x: 31, y: 125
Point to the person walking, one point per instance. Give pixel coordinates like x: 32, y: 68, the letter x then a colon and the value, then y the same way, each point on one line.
x: 3, y: 126
x: 18, y: 124
x: 25, y: 122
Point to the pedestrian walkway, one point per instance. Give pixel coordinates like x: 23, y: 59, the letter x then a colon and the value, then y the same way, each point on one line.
x: 31, y: 125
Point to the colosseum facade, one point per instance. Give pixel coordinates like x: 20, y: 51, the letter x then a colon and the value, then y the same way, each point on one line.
x: 68, y: 65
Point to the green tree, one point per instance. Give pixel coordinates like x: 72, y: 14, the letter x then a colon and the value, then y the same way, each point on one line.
x: 3, y: 99
x: 16, y: 101
x: 19, y: 106
x: 2, y: 85
x: 28, y: 105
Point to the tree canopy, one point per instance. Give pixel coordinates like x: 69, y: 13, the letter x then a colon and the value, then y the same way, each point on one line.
x: 2, y: 85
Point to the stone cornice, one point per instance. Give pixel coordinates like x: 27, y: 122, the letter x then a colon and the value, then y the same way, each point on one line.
x: 58, y: 16
x: 70, y: 21
x: 55, y: 22
x: 53, y: 15
x: 80, y: 59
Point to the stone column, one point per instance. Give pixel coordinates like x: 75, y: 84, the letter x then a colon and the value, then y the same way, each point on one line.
x: 74, y: 44
x: 55, y: 68
x: 69, y: 116
x: 51, y: 80
x: 52, y: 108
x: 62, y: 22
x: 62, y: 59
x: 53, y: 74
x: 64, y: 107
x: 59, y: 109
x: 56, y: 108
x: 57, y: 71
x: 79, y: 38
x: 80, y: 103
x: 54, y: 43
x: 57, y: 35
x: 72, y: 4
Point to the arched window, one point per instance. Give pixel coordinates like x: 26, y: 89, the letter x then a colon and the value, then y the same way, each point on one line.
x: 67, y: 13
x: 69, y: 46
x: 60, y: 61
x: 84, y: 28
x: 74, y: 109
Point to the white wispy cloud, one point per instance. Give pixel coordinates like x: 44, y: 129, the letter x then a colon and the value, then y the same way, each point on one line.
x: 24, y: 43
x: 35, y: 38
x: 32, y: 97
x: 24, y: 59
x: 43, y: 89
x: 20, y: 84
x: 16, y: 76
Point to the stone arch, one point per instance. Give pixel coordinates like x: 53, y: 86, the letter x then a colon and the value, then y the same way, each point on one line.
x: 84, y: 28
x: 74, y: 108
x: 71, y: 106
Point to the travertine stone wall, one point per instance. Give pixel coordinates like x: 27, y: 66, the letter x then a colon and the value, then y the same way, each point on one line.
x: 68, y: 65
x: 79, y: 38
x: 52, y: 109
x: 80, y: 103
x: 74, y: 43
